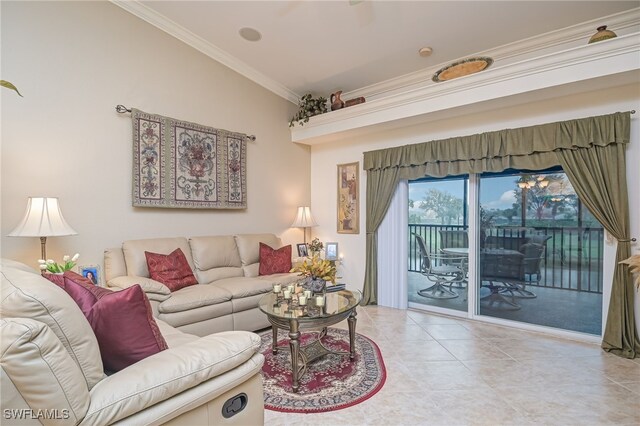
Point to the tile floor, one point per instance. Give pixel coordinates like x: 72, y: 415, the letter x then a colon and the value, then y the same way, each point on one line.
x: 449, y: 371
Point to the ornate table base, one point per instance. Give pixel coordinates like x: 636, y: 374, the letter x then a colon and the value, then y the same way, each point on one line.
x: 302, y: 356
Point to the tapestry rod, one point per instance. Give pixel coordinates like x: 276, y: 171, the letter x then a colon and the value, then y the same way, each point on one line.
x: 122, y: 109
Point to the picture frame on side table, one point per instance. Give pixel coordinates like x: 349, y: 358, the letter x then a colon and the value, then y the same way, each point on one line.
x: 331, y: 251
x: 348, y: 221
x: 91, y: 272
x: 302, y: 250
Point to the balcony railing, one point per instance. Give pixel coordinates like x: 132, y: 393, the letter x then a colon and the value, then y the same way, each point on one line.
x: 572, y: 257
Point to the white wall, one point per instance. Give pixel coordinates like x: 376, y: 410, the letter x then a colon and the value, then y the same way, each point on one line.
x: 73, y: 62
x: 324, y: 158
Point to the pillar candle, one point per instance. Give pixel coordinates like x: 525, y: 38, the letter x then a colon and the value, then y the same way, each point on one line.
x: 287, y: 294
x: 277, y: 288
x: 320, y: 301
x: 302, y: 300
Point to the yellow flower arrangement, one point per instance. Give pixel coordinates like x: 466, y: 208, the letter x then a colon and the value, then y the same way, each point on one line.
x: 634, y: 267
x: 317, y: 268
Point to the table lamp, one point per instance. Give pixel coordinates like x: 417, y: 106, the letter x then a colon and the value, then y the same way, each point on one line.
x: 304, y: 220
x: 43, y: 219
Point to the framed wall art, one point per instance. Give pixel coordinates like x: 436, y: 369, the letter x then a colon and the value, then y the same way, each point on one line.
x: 348, y: 198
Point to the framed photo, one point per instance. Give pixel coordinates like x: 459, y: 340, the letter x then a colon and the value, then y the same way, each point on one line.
x: 302, y: 250
x: 91, y: 272
x: 348, y: 198
x: 331, y: 251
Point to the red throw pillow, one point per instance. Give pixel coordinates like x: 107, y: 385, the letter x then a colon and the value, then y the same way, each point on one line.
x: 172, y: 269
x: 274, y: 261
x: 121, y: 320
x: 124, y: 326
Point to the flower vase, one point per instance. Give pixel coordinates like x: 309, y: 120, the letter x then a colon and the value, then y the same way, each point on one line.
x: 316, y: 285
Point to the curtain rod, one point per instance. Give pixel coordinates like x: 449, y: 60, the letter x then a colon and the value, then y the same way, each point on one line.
x: 123, y: 109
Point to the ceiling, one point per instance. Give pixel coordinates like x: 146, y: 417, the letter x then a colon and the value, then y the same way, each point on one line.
x: 324, y: 46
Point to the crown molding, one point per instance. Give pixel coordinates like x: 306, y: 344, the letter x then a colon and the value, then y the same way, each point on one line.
x: 582, y: 63
x: 172, y: 28
x: 558, y: 40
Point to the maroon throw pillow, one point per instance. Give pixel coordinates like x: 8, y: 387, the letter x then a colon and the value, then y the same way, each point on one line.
x: 122, y: 321
x: 125, y: 329
x: 172, y: 269
x: 57, y: 279
x: 83, y: 291
x: 274, y: 261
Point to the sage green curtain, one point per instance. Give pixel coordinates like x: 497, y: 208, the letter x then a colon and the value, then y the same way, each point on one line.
x: 528, y: 148
x: 383, y: 183
x: 598, y: 174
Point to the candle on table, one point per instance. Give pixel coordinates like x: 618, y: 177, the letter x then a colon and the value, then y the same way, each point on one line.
x: 277, y: 288
x: 302, y: 300
x: 287, y: 294
x: 320, y: 301
x: 307, y: 294
x: 291, y: 288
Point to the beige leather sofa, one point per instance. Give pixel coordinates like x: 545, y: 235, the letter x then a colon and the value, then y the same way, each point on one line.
x: 226, y: 267
x: 51, y: 370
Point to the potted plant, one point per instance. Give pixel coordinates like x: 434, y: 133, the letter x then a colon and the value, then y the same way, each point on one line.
x: 315, y: 246
x: 309, y: 106
x: 317, y: 272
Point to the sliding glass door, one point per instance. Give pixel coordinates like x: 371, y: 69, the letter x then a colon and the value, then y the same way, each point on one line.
x: 439, y: 243
x: 530, y: 253
x: 540, y: 253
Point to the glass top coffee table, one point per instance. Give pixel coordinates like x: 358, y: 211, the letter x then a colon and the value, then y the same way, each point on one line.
x: 288, y: 314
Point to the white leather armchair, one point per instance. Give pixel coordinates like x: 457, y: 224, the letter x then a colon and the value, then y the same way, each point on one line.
x: 51, y: 370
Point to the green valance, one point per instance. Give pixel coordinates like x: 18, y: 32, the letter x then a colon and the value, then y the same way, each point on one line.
x: 531, y: 148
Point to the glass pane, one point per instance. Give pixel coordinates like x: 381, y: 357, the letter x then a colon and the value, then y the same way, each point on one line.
x: 540, y: 253
x: 438, y: 243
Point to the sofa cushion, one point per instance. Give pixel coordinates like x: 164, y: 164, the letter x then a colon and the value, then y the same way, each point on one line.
x: 27, y: 295
x: 274, y: 261
x: 194, y: 297
x: 214, y: 252
x: 243, y: 287
x: 136, y: 261
x: 36, y: 362
x: 249, y: 250
x: 124, y: 326
x: 171, y: 269
x: 287, y: 278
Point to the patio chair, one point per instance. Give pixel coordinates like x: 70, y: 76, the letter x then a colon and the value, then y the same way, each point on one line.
x: 501, y: 271
x: 442, y: 274
x: 453, y: 239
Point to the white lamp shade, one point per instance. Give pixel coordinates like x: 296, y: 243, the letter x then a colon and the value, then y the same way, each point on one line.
x: 42, y: 218
x: 304, y: 218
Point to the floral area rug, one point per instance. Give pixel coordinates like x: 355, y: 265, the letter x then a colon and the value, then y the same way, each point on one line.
x: 330, y: 383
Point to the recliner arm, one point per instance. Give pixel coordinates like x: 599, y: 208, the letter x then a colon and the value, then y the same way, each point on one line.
x: 153, y: 289
x: 168, y: 373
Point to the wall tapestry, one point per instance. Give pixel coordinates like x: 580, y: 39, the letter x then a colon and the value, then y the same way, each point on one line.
x: 348, y: 200
x: 177, y: 164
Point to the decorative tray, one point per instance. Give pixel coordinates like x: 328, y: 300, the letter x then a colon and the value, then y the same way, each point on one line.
x: 462, y: 68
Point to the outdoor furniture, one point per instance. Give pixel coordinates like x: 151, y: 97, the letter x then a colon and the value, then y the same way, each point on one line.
x: 453, y: 239
x: 502, y: 269
x: 440, y: 269
x: 533, y: 254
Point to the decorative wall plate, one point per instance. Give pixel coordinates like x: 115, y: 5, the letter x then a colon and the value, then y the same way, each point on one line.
x: 462, y: 68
